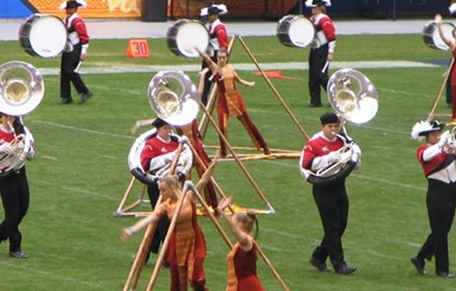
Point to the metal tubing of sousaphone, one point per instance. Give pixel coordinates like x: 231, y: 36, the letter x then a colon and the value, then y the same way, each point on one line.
x: 161, y: 255
x: 274, y: 90
x: 213, y: 97
x: 228, y: 242
x: 236, y: 158
x: 437, y: 98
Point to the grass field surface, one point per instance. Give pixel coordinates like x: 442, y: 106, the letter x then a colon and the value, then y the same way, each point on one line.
x: 81, y: 171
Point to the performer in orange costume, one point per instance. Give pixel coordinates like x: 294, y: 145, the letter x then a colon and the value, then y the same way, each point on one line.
x: 187, y: 248
x: 242, y: 270
x: 230, y: 102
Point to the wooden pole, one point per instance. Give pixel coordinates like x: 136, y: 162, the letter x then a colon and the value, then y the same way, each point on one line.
x: 212, y: 97
x: 437, y: 98
x: 273, y: 269
x: 161, y: 256
x: 274, y: 90
x: 120, y: 210
x: 236, y: 158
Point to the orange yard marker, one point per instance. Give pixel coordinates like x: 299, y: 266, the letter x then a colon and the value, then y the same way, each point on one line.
x: 138, y: 48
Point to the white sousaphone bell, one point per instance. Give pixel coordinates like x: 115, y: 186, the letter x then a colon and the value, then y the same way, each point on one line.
x: 172, y: 97
x: 21, y: 91
x: 354, y: 99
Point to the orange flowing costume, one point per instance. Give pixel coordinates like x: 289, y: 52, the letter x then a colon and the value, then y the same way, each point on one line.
x: 187, y: 249
x: 231, y: 104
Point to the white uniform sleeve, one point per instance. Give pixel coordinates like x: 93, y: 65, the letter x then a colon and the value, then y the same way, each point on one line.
x: 322, y: 162
x: 431, y: 152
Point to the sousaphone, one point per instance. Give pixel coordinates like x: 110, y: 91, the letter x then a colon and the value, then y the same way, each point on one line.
x: 355, y: 100
x: 21, y: 91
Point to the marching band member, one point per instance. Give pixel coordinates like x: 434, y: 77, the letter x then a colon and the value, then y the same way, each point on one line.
x: 75, y: 52
x: 242, y: 269
x: 187, y: 248
x: 14, y: 188
x: 218, y: 39
x: 439, y: 168
x: 230, y: 101
x: 322, y: 49
x: 452, y: 77
x: 331, y: 199
x: 154, y: 157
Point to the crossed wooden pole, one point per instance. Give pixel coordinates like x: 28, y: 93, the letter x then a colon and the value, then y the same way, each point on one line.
x: 437, y: 98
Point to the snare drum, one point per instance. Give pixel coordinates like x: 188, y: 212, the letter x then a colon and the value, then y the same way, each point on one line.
x: 431, y: 36
x: 185, y: 35
x: 43, y: 35
x: 295, y: 31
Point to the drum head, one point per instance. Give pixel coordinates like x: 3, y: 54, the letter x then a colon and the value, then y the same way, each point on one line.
x: 191, y: 35
x: 48, y: 36
x: 447, y: 29
x: 301, y: 32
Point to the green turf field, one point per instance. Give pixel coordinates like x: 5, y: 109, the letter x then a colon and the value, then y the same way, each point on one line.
x: 81, y: 171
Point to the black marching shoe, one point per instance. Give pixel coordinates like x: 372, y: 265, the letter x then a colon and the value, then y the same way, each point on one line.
x: 312, y: 105
x: 319, y: 265
x: 419, y: 265
x: 445, y: 275
x: 345, y: 270
x: 65, y: 101
x: 85, y: 97
x: 18, y: 255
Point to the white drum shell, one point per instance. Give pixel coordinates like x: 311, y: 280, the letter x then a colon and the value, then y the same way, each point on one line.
x: 295, y: 31
x: 43, y: 35
x: 431, y: 36
x: 185, y: 35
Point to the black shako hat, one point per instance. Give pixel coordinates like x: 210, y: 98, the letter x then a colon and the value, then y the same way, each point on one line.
x: 329, y: 117
x: 158, y: 122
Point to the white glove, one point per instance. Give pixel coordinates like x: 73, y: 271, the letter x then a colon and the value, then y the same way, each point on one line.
x: 183, y: 139
x: 333, y: 157
x: 443, y: 139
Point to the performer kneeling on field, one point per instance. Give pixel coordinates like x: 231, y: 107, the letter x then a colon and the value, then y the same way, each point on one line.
x: 14, y: 188
x: 331, y: 198
x: 187, y: 248
x: 230, y: 102
x: 322, y: 50
x: 75, y: 53
x: 439, y: 168
x: 451, y: 42
x: 154, y: 157
x: 242, y: 269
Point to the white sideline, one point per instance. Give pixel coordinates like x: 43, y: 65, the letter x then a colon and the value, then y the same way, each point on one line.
x: 386, y: 64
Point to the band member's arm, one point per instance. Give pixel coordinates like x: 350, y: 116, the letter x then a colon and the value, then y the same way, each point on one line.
x: 449, y: 42
x: 245, y: 240
x: 185, y: 162
x: 209, y: 62
x: 222, y: 36
x: 310, y: 161
x: 330, y: 32
x: 81, y: 29
x: 431, y: 152
x: 242, y: 81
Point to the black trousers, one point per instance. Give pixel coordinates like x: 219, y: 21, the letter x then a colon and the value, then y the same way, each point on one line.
x: 207, y: 83
x: 333, y: 205
x: 15, y: 199
x: 69, y: 63
x: 317, y: 76
x: 163, y: 224
x: 440, y: 202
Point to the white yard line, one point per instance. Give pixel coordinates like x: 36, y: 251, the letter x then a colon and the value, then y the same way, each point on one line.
x: 387, y: 64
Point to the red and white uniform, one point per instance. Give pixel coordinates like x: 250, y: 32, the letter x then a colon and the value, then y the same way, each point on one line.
x: 436, y: 163
x: 6, y: 135
x: 317, y: 152
x: 325, y: 32
x: 218, y: 36
x: 157, y: 147
x: 77, y: 32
